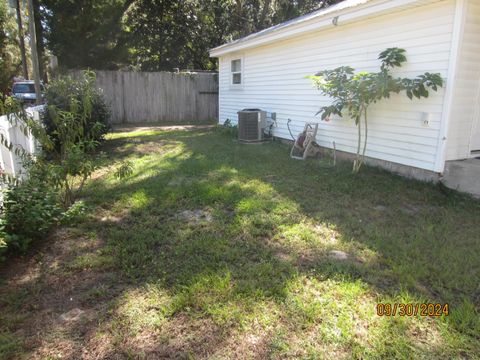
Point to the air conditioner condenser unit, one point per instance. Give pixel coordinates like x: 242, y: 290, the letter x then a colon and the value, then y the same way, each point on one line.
x: 251, y: 124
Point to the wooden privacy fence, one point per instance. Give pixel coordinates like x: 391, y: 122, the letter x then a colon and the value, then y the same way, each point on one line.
x: 159, y: 97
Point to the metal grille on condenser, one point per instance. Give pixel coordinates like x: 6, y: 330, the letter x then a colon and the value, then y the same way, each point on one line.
x: 248, y: 126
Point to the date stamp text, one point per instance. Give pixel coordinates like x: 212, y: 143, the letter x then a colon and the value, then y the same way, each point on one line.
x: 412, y: 309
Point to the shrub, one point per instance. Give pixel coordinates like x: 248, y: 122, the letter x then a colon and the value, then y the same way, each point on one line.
x: 75, y: 213
x: 74, y: 126
x: 67, y: 94
x: 74, y: 123
x: 30, y: 208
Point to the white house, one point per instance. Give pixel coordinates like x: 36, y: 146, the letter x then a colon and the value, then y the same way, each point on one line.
x: 268, y: 70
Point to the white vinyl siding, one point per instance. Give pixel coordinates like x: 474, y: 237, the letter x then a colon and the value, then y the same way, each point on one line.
x: 274, y: 80
x: 466, y: 90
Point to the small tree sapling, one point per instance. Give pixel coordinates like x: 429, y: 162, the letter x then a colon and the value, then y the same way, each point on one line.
x: 353, y: 93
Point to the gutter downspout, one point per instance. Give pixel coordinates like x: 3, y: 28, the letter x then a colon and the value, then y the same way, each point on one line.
x: 457, y: 36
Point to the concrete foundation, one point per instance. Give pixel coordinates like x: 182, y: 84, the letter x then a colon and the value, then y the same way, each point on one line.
x: 460, y: 175
x: 463, y: 175
x: 403, y: 170
x: 399, y: 169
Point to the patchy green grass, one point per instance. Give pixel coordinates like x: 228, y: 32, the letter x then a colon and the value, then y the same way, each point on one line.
x: 215, y: 249
x: 8, y: 345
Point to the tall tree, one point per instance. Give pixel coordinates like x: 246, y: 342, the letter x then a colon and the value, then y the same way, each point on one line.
x: 21, y: 39
x: 33, y: 50
x: 10, y: 62
x: 161, y: 33
x: 254, y: 15
x: 287, y: 10
x: 40, y: 40
x: 157, y: 34
x: 3, y: 39
x: 86, y: 33
x: 166, y: 34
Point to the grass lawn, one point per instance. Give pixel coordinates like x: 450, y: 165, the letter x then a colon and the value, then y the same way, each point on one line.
x: 215, y: 249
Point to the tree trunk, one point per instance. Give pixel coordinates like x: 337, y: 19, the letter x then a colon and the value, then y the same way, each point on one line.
x: 40, y: 41
x: 366, y: 135
x: 33, y: 49
x: 21, y: 40
x: 356, y: 163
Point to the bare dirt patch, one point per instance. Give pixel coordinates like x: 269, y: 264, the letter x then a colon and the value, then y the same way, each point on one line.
x: 338, y: 255
x: 195, y: 216
x: 179, y: 338
x: 123, y: 129
x: 55, y: 303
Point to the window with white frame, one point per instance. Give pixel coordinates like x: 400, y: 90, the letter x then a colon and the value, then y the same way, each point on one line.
x: 236, y: 72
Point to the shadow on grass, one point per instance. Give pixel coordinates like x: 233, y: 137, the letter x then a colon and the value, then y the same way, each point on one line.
x: 254, y: 275
x: 410, y: 224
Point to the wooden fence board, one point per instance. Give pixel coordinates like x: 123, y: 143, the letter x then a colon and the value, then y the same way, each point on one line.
x: 159, y: 97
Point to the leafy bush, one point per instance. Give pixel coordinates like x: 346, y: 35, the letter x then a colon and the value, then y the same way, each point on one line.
x: 68, y: 95
x: 75, y: 124
x: 75, y: 121
x: 125, y: 169
x: 75, y: 213
x: 30, y: 209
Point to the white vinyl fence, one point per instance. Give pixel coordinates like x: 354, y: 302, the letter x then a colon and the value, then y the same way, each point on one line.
x: 10, y: 128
